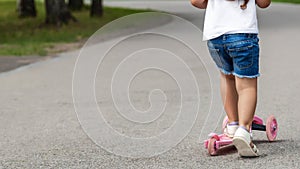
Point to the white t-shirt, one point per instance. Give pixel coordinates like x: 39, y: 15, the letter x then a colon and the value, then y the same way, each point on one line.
x: 227, y: 17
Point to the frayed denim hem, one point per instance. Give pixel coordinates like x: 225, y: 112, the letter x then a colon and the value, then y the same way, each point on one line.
x: 225, y: 72
x: 237, y: 75
x: 243, y: 76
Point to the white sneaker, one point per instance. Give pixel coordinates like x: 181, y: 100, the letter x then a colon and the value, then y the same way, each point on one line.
x: 242, y: 140
x: 230, y: 129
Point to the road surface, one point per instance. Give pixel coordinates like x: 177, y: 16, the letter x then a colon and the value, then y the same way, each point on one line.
x: 39, y: 127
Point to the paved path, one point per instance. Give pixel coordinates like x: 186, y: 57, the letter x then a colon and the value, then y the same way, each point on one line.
x: 39, y: 127
x: 12, y: 62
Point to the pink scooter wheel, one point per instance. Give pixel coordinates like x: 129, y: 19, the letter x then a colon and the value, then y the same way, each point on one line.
x: 212, y: 150
x: 271, y: 128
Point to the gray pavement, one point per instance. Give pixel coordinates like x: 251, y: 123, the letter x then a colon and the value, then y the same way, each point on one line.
x: 12, y: 62
x: 39, y: 126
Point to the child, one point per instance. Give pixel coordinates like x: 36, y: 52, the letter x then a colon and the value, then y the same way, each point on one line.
x: 231, y: 30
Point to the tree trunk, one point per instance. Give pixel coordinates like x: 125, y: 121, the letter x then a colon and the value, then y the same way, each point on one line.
x: 57, y: 12
x: 26, y: 8
x: 75, y: 4
x: 97, y: 8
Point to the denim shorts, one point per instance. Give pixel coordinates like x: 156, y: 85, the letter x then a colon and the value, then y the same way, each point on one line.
x: 236, y: 54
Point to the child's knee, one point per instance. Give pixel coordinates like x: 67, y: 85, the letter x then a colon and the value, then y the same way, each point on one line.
x: 246, y: 83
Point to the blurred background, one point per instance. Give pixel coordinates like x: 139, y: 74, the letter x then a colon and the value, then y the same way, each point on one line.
x: 46, y: 27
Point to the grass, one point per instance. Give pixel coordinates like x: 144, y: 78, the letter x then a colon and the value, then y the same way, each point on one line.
x: 19, y: 37
x: 288, y: 1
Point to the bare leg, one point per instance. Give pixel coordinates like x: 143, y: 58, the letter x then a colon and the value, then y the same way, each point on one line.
x: 247, y: 93
x: 229, y: 97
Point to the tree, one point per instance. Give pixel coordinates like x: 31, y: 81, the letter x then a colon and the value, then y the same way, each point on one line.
x: 57, y: 12
x: 26, y: 8
x: 75, y: 4
x: 97, y: 8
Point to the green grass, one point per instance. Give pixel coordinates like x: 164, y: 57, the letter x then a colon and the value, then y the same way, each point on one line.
x: 288, y: 1
x: 29, y: 36
x: 21, y: 37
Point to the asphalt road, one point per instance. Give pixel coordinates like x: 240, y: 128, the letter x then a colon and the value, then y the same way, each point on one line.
x: 41, y: 128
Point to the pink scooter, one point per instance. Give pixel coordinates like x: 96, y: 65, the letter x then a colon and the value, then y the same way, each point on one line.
x: 215, y: 141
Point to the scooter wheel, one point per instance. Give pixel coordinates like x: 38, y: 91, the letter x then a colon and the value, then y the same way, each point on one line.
x: 271, y: 128
x: 212, y: 148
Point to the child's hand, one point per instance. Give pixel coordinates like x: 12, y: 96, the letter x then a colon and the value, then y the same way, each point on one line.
x: 202, y: 4
x: 244, y: 5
